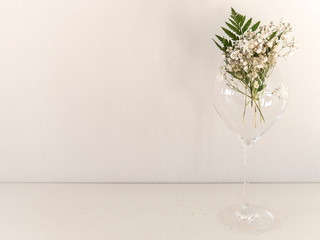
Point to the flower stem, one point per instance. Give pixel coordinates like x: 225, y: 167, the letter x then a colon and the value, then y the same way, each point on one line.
x: 245, y: 106
x: 259, y: 110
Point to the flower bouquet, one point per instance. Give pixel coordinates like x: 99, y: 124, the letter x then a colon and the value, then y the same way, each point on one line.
x: 250, y: 56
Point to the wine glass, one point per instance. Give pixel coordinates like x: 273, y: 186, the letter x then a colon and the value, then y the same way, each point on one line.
x: 249, y: 119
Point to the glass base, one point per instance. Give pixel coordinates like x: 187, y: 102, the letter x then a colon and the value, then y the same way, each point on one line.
x: 247, y: 219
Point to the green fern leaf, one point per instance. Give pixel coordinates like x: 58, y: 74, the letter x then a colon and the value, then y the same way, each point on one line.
x: 243, y: 19
x: 225, y: 44
x: 255, y: 26
x: 236, y: 30
x: 217, y: 45
x: 247, y: 25
x: 234, y: 23
x: 239, y: 18
x: 220, y: 38
x: 234, y: 17
x: 233, y: 12
x: 230, y: 34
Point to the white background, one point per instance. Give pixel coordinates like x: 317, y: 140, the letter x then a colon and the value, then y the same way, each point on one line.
x: 119, y: 91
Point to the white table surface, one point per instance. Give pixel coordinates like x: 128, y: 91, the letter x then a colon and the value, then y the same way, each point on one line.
x: 150, y: 211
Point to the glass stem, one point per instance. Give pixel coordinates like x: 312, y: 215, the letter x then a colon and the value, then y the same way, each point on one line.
x: 246, y: 158
x: 245, y: 213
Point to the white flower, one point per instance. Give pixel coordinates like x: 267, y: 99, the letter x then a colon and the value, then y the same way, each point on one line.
x: 233, y: 55
x: 281, y: 93
x: 256, y: 84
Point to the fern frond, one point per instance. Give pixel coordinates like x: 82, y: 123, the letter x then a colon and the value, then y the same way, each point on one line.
x: 225, y: 44
x: 221, y: 48
x: 247, y: 25
x: 234, y: 17
x: 230, y: 34
x: 236, y: 26
x: 234, y: 29
x: 243, y: 19
x: 239, y: 18
x: 233, y: 12
x: 255, y: 26
x: 234, y: 23
x: 220, y: 38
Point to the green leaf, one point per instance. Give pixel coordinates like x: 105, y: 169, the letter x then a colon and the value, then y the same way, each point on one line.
x: 225, y: 44
x: 236, y: 20
x: 261, y: 87
x: 220, y: 38
x: 230, y: 34
x: 243, y: 19
x: 234, y: 23
x: 236, y: 30
x: 255, y: 26
x: 268, y: 50
x: 272, y: 35
x: 233, y: 12
x: 218, y: 45
x: 239, y: 18
x: 235, y: 16
x: 280, y: 35
x: 247, y: 25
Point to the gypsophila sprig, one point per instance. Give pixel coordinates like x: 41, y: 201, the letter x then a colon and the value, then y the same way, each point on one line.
x: 250, y: 54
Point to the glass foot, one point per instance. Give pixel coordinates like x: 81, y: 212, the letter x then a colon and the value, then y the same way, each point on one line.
x: 247, y: 219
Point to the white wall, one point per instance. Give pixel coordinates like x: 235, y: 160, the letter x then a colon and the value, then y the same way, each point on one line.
x: 119, y: 90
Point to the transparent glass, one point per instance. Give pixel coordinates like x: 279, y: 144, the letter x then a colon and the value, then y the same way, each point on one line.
x: 249, y: 120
